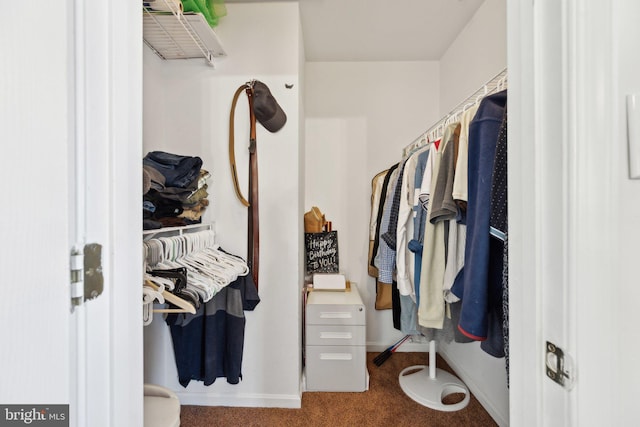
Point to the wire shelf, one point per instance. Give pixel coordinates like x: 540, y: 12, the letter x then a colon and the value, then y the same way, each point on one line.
x: 178, y: 35
x: 497, y: 83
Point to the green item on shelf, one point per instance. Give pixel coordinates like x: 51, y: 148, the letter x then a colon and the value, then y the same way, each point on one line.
x: 210, y: 9
x: 190, y: 6
x: 217, y: 8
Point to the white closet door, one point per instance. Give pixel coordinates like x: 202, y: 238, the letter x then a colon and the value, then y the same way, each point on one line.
x: 36, y: 132
x: 70, y: 126
x: 573, y: 250
x: 626, y: 345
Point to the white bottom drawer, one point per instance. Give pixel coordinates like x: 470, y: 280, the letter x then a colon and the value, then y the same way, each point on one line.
x: 336, y: 368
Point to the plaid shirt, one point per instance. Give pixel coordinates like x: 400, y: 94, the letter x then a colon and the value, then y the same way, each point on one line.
x: 386, y: 253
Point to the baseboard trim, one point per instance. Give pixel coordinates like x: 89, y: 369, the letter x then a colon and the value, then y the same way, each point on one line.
x: 407, y: 346
x: 243, y: 400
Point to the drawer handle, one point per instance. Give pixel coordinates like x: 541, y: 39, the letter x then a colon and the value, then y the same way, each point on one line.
x: 336, y: 356
x: 336, y: 335
x: 335, y: 315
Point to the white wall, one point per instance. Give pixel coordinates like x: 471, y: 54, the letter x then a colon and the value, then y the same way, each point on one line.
x: 478, y: 53
x: 186, y: 111
x: 626, y: 231
x: 359, y: 117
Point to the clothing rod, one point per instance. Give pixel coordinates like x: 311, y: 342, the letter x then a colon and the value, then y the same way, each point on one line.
x: 496, y: 82
x: 177, y: 231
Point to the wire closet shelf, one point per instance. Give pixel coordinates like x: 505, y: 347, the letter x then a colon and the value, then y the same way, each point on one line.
x: 494, y: 85
x: 174, y: 34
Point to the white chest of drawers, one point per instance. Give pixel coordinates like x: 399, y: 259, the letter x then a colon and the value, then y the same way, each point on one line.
x: 335, y: 341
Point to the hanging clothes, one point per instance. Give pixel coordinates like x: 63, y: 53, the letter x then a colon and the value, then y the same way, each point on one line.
x: 431, y: 310
x: 423, y: 199
x: 387, y: 250
x: 460, y: 182
x: 419, y: 217
x: 405, y: 258
x: 448, y: 266
x: 499, y: 225
x: 384, y: 300
x: 405, y: 207
x: 378, y: 195
x: 210, y: 343
x: 444, y: 210
x: 481, y: 287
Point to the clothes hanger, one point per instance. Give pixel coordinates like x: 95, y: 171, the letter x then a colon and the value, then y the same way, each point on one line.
x: 209, y: 267
x: 215, y: 275
x: 184, y: 306
x: 149, y: 295
x: 203, y: 285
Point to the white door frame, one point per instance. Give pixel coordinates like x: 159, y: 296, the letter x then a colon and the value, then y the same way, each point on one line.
x: 524, y: 318
x: 560, y: 118
x: 110, y: 97
x: 125, y: 143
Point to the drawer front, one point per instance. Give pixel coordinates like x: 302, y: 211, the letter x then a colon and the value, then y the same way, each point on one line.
x: 336, y: 368
x: 335, y: 314
x: 335, y: 335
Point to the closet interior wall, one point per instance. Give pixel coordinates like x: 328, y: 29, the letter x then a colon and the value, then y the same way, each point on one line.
x: 186, y: 112
x: 478, y: 54
x: 355, y: 132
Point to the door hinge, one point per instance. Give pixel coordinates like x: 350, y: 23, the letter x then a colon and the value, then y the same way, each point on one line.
x: 87, y: 281
x: 559, y: 366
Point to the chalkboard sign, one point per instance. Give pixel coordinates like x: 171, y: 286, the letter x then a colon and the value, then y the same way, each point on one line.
x: 321, y: 252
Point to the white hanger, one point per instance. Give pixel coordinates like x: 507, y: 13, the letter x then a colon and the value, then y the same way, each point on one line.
x: 149, y: 296
x: 209, y: 269
x: 185, y: 307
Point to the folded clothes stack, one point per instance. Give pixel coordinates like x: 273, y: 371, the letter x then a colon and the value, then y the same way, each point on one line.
x: 175, y: 190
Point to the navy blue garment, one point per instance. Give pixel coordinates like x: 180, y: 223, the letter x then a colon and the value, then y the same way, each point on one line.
x: 499, y: 226
x: 481, y: 287
x: 209, y: 344
x: 396, y: 307
x: 179, y: 171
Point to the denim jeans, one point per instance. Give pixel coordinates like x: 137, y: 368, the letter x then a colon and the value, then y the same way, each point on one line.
x: 179, y: 171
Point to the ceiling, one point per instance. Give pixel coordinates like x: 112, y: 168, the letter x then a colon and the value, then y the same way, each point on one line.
x: 381, y: 30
